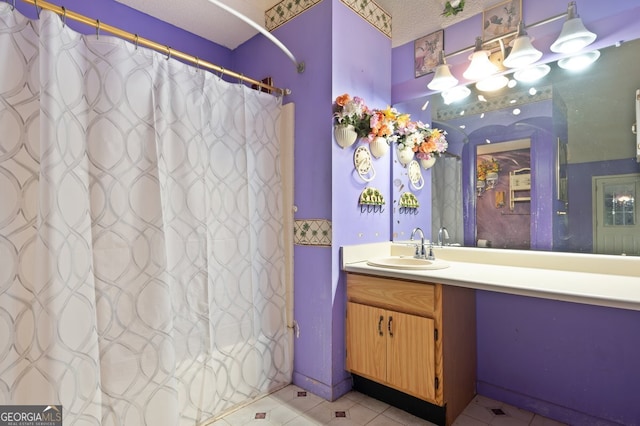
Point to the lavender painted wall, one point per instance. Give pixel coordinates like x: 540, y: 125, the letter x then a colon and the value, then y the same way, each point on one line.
x: 571, y: 362
x: 325, y: 183
x: 361, y: 66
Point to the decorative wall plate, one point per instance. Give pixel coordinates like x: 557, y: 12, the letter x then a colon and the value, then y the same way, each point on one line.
x: 415, y: 175
x: 363, y: 164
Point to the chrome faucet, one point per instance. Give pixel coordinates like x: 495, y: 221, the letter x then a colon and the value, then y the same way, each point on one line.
x: 443, y: 235
x: 421, y: 253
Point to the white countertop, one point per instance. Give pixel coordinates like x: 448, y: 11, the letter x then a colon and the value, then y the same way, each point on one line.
x: 602, y: 280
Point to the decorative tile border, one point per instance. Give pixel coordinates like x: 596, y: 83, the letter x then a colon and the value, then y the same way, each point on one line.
x: 373, y: 13
x: 312, y: 232
x: 478, y: 107
x: 285, y: 11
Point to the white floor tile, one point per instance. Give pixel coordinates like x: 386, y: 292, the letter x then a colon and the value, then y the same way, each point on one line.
x: 464, y: 420
x: 544, y: 421
x: 293, y: 406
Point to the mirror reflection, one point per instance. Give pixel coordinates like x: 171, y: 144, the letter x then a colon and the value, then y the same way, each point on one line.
x: 543, y: 165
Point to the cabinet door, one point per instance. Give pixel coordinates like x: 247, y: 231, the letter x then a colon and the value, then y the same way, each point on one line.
x: 411, y: 354
x: 366, y: 341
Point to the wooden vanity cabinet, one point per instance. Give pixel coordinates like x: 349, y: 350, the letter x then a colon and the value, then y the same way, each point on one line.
x: 417, y: 338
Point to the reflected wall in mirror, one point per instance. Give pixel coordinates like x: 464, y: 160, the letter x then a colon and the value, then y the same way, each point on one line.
x: 582, y: 160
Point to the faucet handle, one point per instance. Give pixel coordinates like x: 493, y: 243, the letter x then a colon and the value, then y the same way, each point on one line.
x: 431, y: 256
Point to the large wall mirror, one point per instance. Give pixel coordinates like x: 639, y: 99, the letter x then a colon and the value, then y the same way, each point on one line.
x: 546, y: 165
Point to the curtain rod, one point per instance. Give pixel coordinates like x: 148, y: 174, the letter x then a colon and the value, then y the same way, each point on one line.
x: 137, y: 40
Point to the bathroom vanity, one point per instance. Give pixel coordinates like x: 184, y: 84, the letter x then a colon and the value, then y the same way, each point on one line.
x: 414, y: 337
x: 411, y: 333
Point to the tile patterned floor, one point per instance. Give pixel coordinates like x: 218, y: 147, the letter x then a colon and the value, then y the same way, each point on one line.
x: 292, y: 406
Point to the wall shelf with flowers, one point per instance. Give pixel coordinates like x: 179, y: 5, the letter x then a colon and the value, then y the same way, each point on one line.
x: 351, y: 115
x: 380, y: 128
x: 415, y: 138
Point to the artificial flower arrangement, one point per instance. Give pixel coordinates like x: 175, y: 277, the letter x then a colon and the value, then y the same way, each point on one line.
x: 424, y: 141
x: 390, y: 125
x: 486, y: 167
x: 352, y: 111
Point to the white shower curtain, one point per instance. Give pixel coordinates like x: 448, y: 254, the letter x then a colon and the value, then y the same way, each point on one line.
x: 141, y: 222
x: 446, y: 184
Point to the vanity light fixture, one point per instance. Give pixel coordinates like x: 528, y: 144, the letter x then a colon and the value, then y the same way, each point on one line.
x: 442, y: 78
x: 455, y: 94
x: 580, y: 61
x: 531, y: 74
x: 574, y: 36
x: 522, y: 53
x: 493, y: 83
x: 480, y: 66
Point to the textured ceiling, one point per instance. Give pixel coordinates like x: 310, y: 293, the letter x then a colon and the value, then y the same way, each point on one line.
x: 411, y: 19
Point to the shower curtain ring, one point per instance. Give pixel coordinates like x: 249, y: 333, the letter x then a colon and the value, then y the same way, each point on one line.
x: 13, y: 5
x: 97, y: 29
x: 221, y: 72
x: 168, y: 53
x: 135, y: 41
x: 35, y: 3
x: 64, y: 16
x: 197, y: 64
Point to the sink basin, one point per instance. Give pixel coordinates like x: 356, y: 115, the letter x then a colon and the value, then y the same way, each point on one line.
x: 407, y: 262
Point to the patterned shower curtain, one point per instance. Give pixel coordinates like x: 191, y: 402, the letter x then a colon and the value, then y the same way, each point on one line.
x: 446, y: 190
x: 141, y: 251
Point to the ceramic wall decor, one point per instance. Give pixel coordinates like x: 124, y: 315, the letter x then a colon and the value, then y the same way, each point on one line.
x: 363, y: 164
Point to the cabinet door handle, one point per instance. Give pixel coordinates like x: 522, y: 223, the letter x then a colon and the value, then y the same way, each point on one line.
x: 380, y: 325
x: 389, y: 325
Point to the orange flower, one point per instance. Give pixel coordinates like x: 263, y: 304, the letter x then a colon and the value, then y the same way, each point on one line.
x: 343, y: 99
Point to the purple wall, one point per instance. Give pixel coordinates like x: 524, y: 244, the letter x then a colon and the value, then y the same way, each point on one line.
x: 325, y: 183
x: 571, y: 362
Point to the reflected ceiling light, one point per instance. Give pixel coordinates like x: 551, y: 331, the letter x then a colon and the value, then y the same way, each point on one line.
x: 516, y: 111
x: 442, y: 78
x: 512, y: 83
x: 522, y: 53
x: 574, y: 36
x: 480, y: 66
x: 533, y: 91
x: 531, y: 74
x: 455, y: 94
x: 580, y: 61
x: 426, y: 104
x: 492, y: 84
x: 481, y: 98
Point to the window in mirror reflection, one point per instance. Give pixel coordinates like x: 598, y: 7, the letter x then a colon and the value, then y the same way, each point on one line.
x: 619, y: 201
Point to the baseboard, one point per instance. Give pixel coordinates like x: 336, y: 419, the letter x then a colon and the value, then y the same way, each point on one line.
x: 417, y: 407
x: 541, y: 407
x: 330, y: 393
